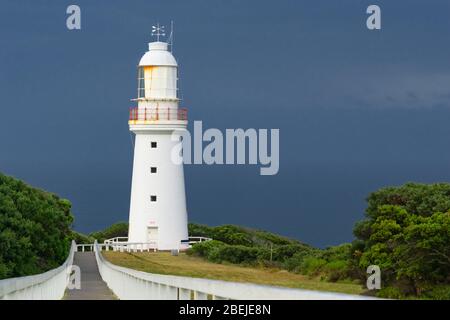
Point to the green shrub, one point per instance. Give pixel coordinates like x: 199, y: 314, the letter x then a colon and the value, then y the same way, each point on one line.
x: 34, y: 229
x: 236, y: 235
x: 332, y: 263
x: 340, y: 252
x: 217, y: 251
x: 81, y: 238
x: 312, y: 265
x: 439, y: 292
x: 119, y: 229
x: 232, y: 235
x: 295, y: 262
x: 205, y: 249
x: 407, y: 234
x: 237, y: 254
x: 284, y: 252
x: 337, y: 270
x: 264, y: 238
x: 390, y: 293
x: 200, y: 230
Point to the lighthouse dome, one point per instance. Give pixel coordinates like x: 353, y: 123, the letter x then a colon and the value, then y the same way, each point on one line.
x: 158, y: 55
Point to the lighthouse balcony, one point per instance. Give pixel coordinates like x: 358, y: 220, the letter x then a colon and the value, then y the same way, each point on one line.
x: 140, y: 116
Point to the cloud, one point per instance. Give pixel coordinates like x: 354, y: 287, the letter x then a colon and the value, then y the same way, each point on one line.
x: 395, y: 90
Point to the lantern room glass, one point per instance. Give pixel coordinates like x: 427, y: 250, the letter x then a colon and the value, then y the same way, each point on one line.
x: 141, y: 83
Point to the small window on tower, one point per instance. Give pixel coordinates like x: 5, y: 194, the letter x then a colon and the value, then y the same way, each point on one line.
x: 153, y: 169
x: 154, y: 144
x: 153, y: 198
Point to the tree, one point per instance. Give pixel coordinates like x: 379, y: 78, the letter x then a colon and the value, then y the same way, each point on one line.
x: 407, y: 234
x: 119, y: 229
x: 34, y: 229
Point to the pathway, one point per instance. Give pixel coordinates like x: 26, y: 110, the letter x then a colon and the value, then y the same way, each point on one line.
x: 92, y: 285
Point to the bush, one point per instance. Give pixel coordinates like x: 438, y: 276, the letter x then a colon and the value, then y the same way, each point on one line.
x: 390, y: 293
x: 264, y: 248
x: 295, y: 262
x: 337, y: 270
x: 217, y: 251
x: 284, y: 252
x: 119, y: 229
x: 80, y: 238
x: 235, y: 235
x: 439, y: 292
x: 232, y: 235
x: 204, y: 249
x: 312, y: 265
x: 237, y: 254
x: 407, y: 234
x: 34, y: 229
x: 200, y: 230
x: 264, y: 238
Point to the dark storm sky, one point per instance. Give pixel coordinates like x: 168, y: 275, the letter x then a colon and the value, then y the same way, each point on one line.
x: 357, y: 109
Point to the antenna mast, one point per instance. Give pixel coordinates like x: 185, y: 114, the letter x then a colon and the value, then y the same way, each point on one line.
x: 171, y: 36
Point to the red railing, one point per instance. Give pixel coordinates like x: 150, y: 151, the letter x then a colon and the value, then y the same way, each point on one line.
x: 155, y: 114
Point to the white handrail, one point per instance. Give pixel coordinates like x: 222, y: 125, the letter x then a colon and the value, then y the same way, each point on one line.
x: 49, y: 285
x: 116, y: 239
x: 128, y: 246
x: 129, y: 284
x: 195, y: 239
x: 124, y: 240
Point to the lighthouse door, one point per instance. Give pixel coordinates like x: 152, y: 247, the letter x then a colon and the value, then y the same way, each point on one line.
x: 152, y: 234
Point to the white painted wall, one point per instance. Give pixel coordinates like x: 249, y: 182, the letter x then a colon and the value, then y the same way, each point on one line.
x: 168, y: 213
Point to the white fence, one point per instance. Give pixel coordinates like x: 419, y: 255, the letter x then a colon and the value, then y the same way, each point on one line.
x: 130, y: 284
x: 119, y: 246
x: 122, y: 244
x: 45, y: 286
x: 193, y: 240
x: 116, y: 239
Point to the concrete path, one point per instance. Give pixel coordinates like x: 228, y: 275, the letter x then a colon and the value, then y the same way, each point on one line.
x: 92, y: 285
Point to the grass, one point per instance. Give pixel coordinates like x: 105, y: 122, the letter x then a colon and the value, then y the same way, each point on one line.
x: 184, y: 265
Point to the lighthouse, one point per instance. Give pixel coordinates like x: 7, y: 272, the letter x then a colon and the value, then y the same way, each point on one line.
x: 158, y: 215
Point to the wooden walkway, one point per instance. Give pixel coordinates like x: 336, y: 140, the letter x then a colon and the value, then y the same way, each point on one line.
x: 92, y: 285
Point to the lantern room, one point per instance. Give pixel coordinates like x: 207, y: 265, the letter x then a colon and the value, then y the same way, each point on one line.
x: 157, y: 74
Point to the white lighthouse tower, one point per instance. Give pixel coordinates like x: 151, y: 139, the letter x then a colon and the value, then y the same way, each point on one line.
x: 158, y: 213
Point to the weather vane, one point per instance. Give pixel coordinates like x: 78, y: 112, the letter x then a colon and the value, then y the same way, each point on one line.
x: 158, y: 31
